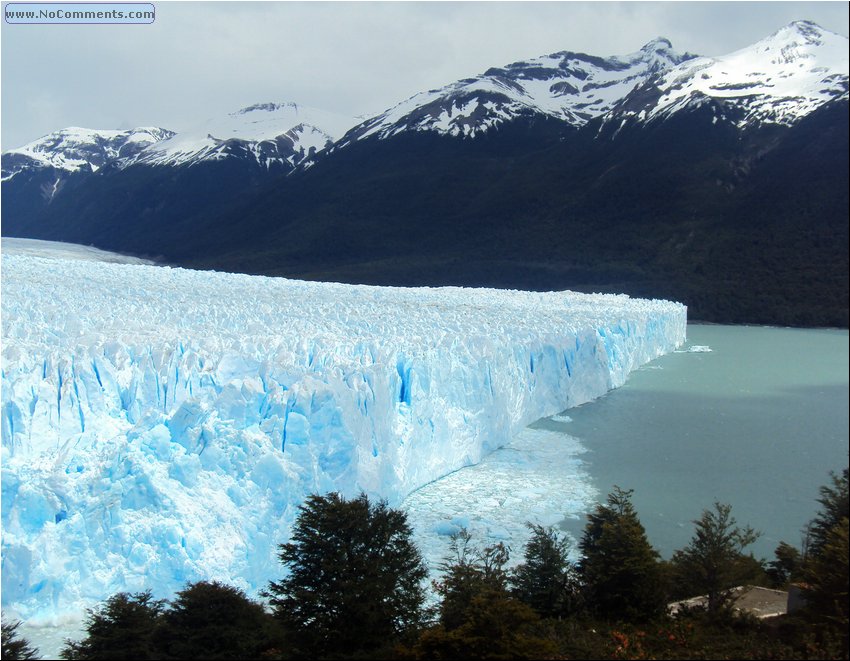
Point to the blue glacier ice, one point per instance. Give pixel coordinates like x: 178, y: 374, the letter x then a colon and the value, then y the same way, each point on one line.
x: 161, y: 425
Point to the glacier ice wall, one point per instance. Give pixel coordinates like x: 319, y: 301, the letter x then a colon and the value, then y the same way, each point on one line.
x: 161, y: 425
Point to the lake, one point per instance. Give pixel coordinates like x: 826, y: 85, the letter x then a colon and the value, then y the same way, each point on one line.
x: 757, y: 422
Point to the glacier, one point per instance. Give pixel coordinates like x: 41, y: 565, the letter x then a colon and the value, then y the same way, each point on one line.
x: 162, y: 425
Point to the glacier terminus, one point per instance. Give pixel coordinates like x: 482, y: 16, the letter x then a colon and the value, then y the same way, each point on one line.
x: 162, y: 425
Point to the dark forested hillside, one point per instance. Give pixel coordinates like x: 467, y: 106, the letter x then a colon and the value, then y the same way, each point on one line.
x: 741, y: 226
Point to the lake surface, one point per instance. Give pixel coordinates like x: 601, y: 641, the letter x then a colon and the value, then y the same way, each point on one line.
x: 757, y: 422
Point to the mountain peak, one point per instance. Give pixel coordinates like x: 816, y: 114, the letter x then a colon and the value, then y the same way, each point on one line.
x: 266, y: 107
x: 801, y: 41
x: 804, y: 34
x: 657, y: 45
x: 779, y: 79
x: 810, y: 30
x: 659, y: 55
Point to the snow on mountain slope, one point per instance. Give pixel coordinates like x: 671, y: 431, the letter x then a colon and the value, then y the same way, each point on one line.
x: 267, y: 133
x: 573, y: 87
x: 777, y: 80
x: 74, y: 149
x: 161, y: 425
x: 264, y: 134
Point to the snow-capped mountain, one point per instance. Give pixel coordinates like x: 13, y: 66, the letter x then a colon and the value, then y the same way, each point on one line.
x: 261, y: 140
x: 573, y: 87
x: 75, y: 149
x: 777, y: 80
x: 268, y: 133
x: 263, y: 134
x: 617, y: 174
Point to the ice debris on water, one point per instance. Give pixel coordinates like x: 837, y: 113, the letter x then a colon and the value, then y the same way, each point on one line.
x: 695, y: 348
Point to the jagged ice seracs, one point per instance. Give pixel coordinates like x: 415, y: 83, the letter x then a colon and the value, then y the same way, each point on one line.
x: 162, y: 425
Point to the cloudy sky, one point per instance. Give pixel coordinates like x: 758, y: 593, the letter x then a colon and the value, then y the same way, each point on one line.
x: 203, y: 59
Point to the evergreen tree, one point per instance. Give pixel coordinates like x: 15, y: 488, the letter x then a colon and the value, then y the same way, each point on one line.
x: 125, y: 627
x: 619, y: 568
x: 713, y: 562
x: 211, y: 620
x: 354, y: 581
x: 15, y: 648
x: 546, y: 581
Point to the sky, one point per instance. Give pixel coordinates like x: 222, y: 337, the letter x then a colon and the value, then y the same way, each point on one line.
x: 204, y: 59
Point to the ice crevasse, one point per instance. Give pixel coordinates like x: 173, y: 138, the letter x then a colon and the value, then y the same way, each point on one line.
x: 162, y: 425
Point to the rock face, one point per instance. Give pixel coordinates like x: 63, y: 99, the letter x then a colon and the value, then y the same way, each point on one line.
x: 161, y: 425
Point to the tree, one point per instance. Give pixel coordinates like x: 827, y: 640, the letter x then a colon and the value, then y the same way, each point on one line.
x: 15, y: 648
x: 619, y: 568
x: 478, y: 616
x: 211, y: 620
x: 125, y: 627
x: 825, y: 567
x: 713, y: 562
x: 827, y: 581
x: 835, y: 502
x: 786, y: 565
x: 467, y: 573
x: 790, y: 564
x: 354, y: 580
x: 827, y: 574
x: 495, y: 626
x: 546, y: 581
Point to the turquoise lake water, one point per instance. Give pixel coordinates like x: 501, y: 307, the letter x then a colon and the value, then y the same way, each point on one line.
x: 758, y: 423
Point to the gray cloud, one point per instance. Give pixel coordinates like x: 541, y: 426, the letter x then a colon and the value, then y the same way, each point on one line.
x: 201, y: 59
